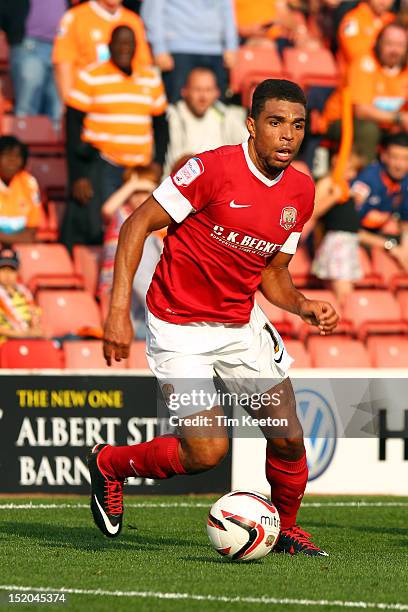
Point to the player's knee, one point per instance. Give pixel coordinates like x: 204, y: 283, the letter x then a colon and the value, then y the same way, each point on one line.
x: 204, y: 454
x: 290, y: 449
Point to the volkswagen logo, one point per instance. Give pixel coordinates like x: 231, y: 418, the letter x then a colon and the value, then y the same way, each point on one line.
x: 320, y: 431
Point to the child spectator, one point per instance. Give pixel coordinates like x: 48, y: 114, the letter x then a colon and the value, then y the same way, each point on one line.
x: 19, y: 316
x: 20, y: 202
x: 115, y: 211
x: 381, y: 196
x: 337, y: 260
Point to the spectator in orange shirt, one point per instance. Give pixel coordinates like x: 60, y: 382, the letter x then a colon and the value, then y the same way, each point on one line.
x: 115, y: 115
x: 360, y: 27
x: 84, y: 35
x: 378, y: 84
x: 269, y: 22
x: 20, y: 203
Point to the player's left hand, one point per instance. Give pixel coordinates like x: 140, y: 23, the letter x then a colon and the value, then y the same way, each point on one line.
x: 320, y: 314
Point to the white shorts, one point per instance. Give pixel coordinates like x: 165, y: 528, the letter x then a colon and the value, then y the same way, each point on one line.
x: 249, y: 359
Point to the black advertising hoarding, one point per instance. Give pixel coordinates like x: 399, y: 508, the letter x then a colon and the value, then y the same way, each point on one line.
x: 48, y: 423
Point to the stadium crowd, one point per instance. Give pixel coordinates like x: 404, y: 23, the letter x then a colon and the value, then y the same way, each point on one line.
x: 102, y: 99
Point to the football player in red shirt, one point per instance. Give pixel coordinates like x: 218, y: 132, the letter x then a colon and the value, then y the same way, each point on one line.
x: 234, y: 218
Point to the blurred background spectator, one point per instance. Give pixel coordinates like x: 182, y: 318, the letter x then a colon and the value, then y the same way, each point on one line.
x: 19, y: 316
x: 200, y: 121
x: 379, y: 90
x: 360, y: 27
x: 30, y: 29
x: 381, y: 195
x: 109, y: 128
x: 337, y: 259
x: 20, y: 202
x: 84, y: 35
x: 275, y: 22
x: 115, y: 211
x: 185, y: 35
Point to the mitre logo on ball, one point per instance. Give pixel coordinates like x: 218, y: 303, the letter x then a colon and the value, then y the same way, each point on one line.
x: 288, y: 217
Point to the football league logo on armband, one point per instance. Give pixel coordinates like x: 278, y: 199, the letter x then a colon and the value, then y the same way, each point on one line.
x: 288, y: 217
x: 189, y: 172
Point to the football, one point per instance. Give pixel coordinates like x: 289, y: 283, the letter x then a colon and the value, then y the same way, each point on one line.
x: 243, y: 525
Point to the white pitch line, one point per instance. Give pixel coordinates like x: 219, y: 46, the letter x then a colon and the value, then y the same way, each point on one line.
x: 351, y: 504
x: 265, y: 600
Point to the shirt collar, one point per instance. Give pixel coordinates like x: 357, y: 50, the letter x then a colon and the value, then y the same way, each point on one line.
x: 256, y: 172
x: 99, y: 10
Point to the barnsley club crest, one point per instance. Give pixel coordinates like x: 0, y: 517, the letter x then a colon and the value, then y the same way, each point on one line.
x: 288, y: 217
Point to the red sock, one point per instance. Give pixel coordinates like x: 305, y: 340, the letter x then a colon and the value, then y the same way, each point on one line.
x: 158, y: 458
x: 288, y: 483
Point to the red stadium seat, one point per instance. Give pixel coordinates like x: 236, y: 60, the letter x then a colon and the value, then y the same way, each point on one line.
x: 253, y: 64
x: 370, y: 277
x: 337, y: 352
x: 47, y: 265
x: 297, y: 350
x: 6, y: 85
x: 48, y: 230
x: 301, y: 329
x: 50, y: 172
x: 87, y: 262
x: 402, y: 297
x: 309, y: 67
x: 389, y: 269
x: 374, y: 311
x: 88, y: 355
x: 302, y: 167
x: 137, y: 356
x: 67, y: 311
x: 275, y: 315
x: 388, y: 351
x: 37, y: 132
x: 4, y: 51
x: 30, y: 353
x: 299, y: 267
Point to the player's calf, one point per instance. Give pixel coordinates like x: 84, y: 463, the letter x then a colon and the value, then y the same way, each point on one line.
x: 202, y: 454
x: 289, y: 449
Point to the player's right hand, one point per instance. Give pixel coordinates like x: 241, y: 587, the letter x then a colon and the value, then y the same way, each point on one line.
x: 117, y: 337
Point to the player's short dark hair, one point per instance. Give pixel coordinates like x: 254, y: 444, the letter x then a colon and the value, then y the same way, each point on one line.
x: 275, y: 89
x: 399, y: 140
x: 8, y: 143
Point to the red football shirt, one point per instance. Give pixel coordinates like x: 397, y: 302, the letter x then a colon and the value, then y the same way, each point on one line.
x: 229, y: 220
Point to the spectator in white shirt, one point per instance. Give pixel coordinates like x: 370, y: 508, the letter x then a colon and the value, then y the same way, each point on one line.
x: 200, y: 122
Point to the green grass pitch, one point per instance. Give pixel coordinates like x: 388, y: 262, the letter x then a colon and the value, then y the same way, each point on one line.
x: 163, y: 561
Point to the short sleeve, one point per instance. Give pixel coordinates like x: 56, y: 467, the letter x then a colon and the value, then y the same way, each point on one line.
x: 81, y: 95
x: 291, y: 243
x: 65, y: 49
x: 34, y: 214
x: 349, y: 37
x: 159, y: 100
x: 361, y: 78
x: 191, y: 188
